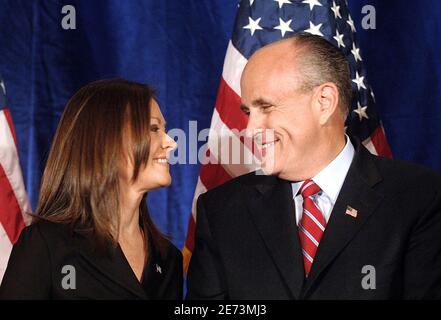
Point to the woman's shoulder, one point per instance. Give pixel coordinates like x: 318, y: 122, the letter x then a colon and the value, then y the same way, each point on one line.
x: 167, y: 250
x: 173, y: 250
x: 37, y: 241
x: 45, y: 229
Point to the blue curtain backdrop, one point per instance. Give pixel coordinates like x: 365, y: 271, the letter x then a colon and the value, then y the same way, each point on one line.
x: 179, y: 46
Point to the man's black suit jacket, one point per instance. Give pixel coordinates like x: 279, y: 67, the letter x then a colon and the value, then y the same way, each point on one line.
x: 35, y: 268
x: 247, y: 246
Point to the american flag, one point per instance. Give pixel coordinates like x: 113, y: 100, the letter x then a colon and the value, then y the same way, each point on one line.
x: 14, y: 203
x: 258, y: 23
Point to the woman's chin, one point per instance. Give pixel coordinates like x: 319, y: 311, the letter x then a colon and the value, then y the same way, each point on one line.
x: 152, y: 182
x: 166, y: 183
x: 162, y: 183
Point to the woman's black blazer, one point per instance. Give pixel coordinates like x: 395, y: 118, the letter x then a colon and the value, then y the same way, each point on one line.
x: 52, y: 261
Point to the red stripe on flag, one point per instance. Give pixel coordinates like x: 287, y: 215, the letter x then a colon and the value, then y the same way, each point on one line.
x: 10, y: 212
x: 379, y: 141
x: 10, y: 124
x: 213, y: 175
x: 228, y: 107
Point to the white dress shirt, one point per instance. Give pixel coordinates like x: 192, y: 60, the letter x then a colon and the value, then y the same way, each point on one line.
x: 330, y: 180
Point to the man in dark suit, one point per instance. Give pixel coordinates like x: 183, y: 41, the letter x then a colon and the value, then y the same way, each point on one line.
x: 327, y: 220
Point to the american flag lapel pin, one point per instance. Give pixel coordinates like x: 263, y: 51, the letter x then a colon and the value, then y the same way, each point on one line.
x: 351, y: 211
x: 158, y: 269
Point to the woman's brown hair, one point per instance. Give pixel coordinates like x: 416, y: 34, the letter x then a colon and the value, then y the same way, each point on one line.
x: 80, y: 184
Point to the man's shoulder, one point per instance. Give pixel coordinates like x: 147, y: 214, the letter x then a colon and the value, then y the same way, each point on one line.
x: 408, y: 172
x: 236, y: 186
x: 394, y: 170
x: 406, y: 181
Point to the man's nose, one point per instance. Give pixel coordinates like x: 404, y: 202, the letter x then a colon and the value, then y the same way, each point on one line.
x: 254, y: 125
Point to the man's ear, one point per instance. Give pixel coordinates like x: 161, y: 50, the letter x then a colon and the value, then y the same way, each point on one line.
x: 326, y: 101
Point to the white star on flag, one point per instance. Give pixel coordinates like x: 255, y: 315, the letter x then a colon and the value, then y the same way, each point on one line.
x: 359, y: 81
x: 339, y: 38
x: 312, y: 3
x: 282, y: 2
x: 284, y: 26
x: 336, y: 10
x: 314, y: 29
x: 2, y: 86
x: 351, y: 23
x: 251, y: 2
x: 253, y: 25
x: 361, y: 111
x: 356, y: 52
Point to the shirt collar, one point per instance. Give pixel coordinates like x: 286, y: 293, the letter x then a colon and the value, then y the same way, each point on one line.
x: 330, y: 179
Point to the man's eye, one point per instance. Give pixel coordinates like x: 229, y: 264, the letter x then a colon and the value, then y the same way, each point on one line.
x: 265, y: 108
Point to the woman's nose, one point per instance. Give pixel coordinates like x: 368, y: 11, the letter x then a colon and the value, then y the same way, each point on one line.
x: 169, y: 143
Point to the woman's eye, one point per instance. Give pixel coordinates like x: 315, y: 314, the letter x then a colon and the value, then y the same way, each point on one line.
x: 154, y: 128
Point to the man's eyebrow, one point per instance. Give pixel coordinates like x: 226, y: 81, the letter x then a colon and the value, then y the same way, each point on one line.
x: 261, y: 102
x: 244, y: 108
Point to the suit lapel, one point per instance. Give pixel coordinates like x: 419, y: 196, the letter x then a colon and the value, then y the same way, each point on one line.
x: 114, y: 267
x: 357, y: 193
x: 271, y: 207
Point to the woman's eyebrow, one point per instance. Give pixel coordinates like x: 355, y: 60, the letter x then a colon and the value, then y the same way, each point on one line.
x: 159, y: 120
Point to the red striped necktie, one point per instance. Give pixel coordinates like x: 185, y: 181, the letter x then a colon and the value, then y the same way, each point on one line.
x: 312, y: 225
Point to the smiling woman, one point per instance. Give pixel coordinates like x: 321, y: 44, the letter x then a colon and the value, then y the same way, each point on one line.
x: 155, y: 172
x: 109, y: 151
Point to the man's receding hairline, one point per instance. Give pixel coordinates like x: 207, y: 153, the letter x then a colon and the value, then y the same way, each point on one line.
x: 295, y: 52
x: 296, y: 49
